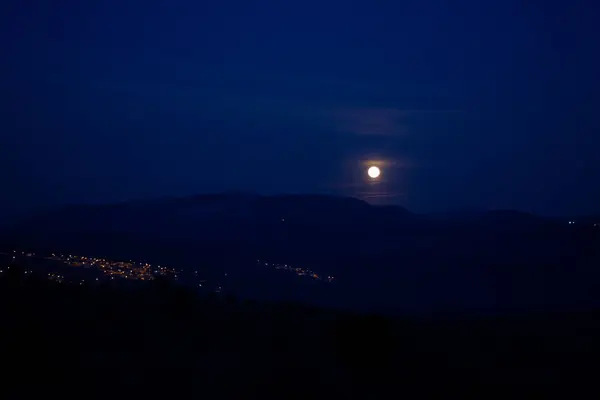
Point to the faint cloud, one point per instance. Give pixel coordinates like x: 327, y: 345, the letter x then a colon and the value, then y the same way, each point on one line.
x: 377, y: 121
x: 382, y: 121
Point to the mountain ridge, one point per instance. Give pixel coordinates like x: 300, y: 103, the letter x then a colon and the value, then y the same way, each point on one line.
x: 381, y: 254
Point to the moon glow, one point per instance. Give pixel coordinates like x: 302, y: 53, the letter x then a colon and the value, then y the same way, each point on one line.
x: 373, y: 172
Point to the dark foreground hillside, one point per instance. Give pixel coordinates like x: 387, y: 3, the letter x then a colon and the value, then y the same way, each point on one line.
x: 158, y: 340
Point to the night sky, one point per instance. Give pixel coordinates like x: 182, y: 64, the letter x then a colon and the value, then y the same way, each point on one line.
x: 463, y: 104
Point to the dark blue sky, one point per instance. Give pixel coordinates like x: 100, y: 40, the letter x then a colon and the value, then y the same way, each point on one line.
x: 463, y: 103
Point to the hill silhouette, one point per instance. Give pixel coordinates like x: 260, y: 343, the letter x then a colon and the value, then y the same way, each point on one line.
x: 384, y: 257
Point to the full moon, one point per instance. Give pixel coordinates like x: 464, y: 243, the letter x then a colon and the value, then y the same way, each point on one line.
x: 373, y: 172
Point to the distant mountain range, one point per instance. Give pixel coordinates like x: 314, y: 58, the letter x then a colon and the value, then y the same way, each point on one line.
x: 253, y: 223
x: 385, y: 253
x: 315, y: 209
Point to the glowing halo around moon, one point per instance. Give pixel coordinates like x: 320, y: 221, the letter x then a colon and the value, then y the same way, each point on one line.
x: 373, y: 172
